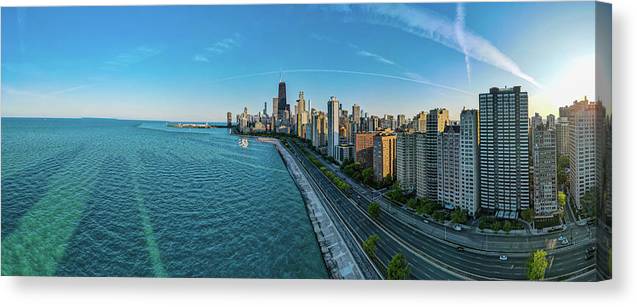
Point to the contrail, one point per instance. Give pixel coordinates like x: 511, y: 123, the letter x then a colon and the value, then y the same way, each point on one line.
x: 459, y: 29
x: 351, y: 72
x: 438, y: 28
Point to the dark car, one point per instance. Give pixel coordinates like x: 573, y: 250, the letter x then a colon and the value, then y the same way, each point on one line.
x: 589, y: 256
x: 460, y: 249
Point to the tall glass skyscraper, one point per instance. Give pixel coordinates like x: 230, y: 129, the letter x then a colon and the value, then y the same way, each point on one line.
x: 282, y: 104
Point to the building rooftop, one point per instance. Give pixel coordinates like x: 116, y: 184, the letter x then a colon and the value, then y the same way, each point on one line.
x: 497, y: 90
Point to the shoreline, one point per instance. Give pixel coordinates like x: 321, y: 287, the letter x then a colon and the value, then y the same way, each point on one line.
x: 337, y: 257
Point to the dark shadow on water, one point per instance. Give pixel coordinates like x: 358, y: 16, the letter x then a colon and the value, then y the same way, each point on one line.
x: 23, y: 190
x: 109, y: 240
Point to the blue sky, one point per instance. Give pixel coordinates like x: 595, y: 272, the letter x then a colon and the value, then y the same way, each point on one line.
x: 198, y: 62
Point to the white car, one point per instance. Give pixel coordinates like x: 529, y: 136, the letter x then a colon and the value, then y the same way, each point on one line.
x: 504, y: 258
x: 562, y: 238
x: 457, y: 227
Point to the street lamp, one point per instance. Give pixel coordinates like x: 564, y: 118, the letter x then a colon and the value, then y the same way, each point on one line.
x: 445, y: 226
x: 486, y: 241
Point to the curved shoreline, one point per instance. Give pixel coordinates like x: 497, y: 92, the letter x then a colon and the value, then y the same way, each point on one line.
x: 337, y: 257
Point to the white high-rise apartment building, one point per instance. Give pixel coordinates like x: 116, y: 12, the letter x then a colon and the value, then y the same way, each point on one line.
x: 458, y: 164
x: 421, y: 176
x: 544, y: 171
x: 585, y: 139
x: 332, y: 127
x: 406, y: 160
x: 504, y: 151
x: 427, y: 164
x: 448, y: 181
x: 470, y: 161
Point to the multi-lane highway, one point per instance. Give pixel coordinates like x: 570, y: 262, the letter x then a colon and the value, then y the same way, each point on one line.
x: 431, y: 256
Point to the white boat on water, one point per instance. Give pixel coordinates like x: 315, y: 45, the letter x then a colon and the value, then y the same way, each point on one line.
x: 243, y: 143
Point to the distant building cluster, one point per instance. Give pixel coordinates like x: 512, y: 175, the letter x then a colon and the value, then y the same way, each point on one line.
x: 494, y: 160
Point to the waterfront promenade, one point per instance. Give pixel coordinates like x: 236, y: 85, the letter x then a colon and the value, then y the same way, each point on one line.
x: 337, y: 253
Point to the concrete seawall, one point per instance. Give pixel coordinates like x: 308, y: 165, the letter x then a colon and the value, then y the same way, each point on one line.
x: 338, y: 258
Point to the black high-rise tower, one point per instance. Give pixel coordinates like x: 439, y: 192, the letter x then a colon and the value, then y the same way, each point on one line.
x: 283, y: 105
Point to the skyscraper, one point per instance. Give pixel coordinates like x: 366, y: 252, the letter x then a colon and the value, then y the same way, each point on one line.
x: 470, y: 161
x: 401, y: 122
x: 319, y: 130
x: 421, y: 121
x: 387, y: 122
x: 310, y: 120
x: 332, y: 126
x: 356, y: 117
x: 243, y: 120
x: 346, y: 135
x: 544, y: 171
x: 536, y: 120
x: 406, y: 160
x: 427, y: 169
x: 282, y: 104
x: 550, y: 121
x: 448, y: 182
x: 301, y: 116
x: 364, y: 148
x: 384, y: 155
x: 275, y: 108
x: 504, y: 151
x: 374, y: 123
x: 561, y: 136
x: 586, y: 128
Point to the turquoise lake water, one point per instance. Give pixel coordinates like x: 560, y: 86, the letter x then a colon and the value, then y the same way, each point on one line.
x: 98, y: 197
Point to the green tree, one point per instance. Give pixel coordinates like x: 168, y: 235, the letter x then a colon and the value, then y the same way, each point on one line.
x: 439, y: 216
x: 428, y: 207
x: 396, y: 193
x: 413, y: 203
x: 561, y: 199
x: 398, y: 268
x: 367, y: 176
x: 459, y: 216
x: 369, y: 245
x: 537, y: 265
x: 387, y: 181
x: 374, y: 210
x: 528, y: 215
x: 345, y: 163
x: 507, y: 226
x: 483, y: 223
x: 562, y: 165
x: 350, y: 169
x: 496, y: 226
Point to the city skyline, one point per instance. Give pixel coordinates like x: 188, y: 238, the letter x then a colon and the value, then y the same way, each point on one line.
x: 447, y: 141
x: 215, y: 69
